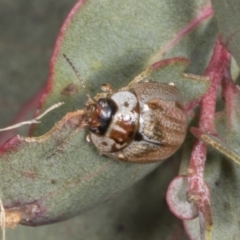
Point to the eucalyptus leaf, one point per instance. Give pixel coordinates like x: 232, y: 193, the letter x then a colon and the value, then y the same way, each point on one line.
x: 139, y: 212
x: 107, y: 41
x: 227, y: 14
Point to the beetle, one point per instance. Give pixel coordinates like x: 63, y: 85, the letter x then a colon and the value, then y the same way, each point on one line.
x: 143, y: 122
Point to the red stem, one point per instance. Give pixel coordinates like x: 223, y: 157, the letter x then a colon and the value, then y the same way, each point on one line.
x: 198, y: 191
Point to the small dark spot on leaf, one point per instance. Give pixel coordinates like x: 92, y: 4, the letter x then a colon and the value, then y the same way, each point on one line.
x: 120, y: 228
x: 53, y: 181
x: 217, y: 183
x: 226, y: 206
x: 69, y: 90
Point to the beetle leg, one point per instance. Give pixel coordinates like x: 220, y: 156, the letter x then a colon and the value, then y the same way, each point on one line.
x: 140, y: 77
x: 106, y: 87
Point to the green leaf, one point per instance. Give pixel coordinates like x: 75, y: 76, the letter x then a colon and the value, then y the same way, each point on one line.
x: 108, y: 41
x: 139, y: 212
x: 227, y: 14
x: 64, y: 166
x: 26, y: 44
x: 113, y: 41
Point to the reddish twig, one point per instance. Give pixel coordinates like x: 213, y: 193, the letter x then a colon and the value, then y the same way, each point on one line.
x: 198, y: 192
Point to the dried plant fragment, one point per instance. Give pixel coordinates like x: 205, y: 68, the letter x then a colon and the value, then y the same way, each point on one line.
x: 35, y: 120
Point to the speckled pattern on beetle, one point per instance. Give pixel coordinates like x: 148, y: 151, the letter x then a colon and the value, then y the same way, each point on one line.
x: 142, y: 123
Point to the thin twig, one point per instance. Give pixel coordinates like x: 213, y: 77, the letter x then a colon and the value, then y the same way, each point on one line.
x: 35, y: 120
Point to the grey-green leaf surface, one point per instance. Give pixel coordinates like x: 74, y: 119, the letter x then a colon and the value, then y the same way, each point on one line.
x: 64, y: 175
x: 138, y: 213
x: 227, y: 14
x: 113, y: 41
x: 26, y: 43
x: 108, y: 41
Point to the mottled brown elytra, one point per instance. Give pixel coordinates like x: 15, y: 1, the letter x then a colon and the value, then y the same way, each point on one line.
x: 143, y: 122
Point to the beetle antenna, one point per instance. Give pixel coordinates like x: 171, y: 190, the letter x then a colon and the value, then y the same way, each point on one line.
x: 79, y: 76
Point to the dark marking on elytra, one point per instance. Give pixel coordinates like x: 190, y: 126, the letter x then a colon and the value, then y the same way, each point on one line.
x: 122, y: 137
x: 154, y: 104
x: 179, y: 105
x: 114, y: 148
x: 138, y: 137
x: 104, y: 144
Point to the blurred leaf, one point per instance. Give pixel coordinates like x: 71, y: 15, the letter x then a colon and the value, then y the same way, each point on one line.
x: 26, y: 42
x: 227, y: 14
x: 108, y: 41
